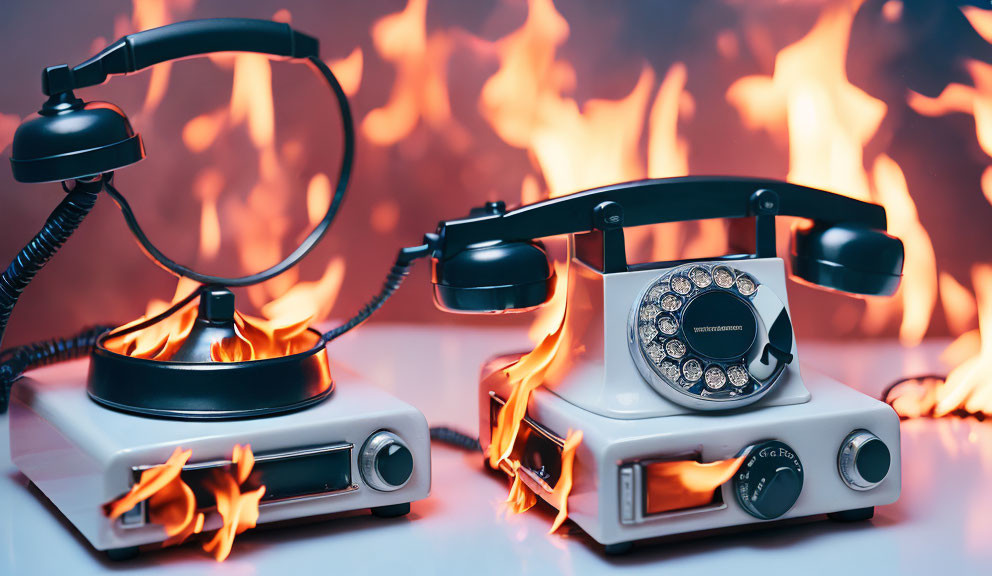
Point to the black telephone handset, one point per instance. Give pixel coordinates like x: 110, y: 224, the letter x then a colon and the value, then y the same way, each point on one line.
x: 492, y: 261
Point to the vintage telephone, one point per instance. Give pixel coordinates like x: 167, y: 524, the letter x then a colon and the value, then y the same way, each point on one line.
x: 679, y: 365
x: 695, y: 325
x: 81, y: 144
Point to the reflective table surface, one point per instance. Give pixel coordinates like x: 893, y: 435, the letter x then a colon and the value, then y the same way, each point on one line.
x: 942, y: 524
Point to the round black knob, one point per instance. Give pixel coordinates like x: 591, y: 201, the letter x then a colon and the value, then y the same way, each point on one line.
x: 386, y: 462
x: 864, y: 460
x: 770, y: 480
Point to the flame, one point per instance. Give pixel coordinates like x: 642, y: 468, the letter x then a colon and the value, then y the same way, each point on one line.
x: 250, y: 103
x: 201, y: 132
x: 151, y: 482
x: 564, y: 486
x: 420, y: 90
x: 318, y: 197
x: 967, y: 388
x: 525, y: 376
x: 521, y: 498
x: 827, y: 120
x: 528, y: 75
x: 980, y: 19
x: 668, y: 153
x: 207, y: 187
x: 152, y: 14
x: 348, y: 71
x: 524, y: 102
x: 681, y: 484
x: 308, y: 301
x: 958, y: 303
x: 160, y: 340
x: 918, y: 290
x: 237, y: 509
x: 172, y: 505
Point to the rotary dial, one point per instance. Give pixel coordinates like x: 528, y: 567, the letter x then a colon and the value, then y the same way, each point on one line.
x: 709, y: 336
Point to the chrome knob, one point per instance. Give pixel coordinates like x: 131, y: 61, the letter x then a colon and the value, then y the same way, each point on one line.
x: 385, y: 462
x: 864, y: 460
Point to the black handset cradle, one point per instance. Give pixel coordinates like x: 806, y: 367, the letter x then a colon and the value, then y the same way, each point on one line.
x: 491, y: 262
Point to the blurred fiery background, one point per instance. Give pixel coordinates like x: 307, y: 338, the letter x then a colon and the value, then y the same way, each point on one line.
x: 461, y: 102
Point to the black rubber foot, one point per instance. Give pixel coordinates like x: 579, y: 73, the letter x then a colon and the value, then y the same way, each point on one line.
x: 120, y: 554
x: 856, y: 515
x: 618, y: 549
x: 393, y: 511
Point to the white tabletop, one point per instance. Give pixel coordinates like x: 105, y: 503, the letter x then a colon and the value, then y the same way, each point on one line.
x: 942, y: 524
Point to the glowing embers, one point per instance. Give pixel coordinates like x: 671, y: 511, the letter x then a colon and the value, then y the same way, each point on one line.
x: 172, y: 504
x: 682, y: 484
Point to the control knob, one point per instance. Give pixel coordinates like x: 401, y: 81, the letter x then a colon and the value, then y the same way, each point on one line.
x: 864, y: 460
x: 385, y: 461
x: 769, y: 480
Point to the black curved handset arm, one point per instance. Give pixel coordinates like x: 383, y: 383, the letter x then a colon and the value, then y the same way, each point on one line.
x: 181, y: 40
x: 490, y: 262
x: 654, y: 202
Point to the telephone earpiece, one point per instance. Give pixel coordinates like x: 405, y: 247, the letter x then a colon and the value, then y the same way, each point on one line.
x: 494, y: 277
x: 848, y: 257
x: 71, y: 139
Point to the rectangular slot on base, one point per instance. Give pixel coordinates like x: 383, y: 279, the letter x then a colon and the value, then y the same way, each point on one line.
x: 303, y: 473
x: 536, y: 448
x: 660, y: 488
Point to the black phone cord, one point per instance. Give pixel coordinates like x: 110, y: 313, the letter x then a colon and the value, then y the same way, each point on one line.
x: 32, y: 258
x: 16, y: 361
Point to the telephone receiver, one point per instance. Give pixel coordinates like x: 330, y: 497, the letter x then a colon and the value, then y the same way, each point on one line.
x: 493, y: 262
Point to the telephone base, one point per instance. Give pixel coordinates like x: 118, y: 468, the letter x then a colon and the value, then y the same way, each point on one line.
x: 608, y: 499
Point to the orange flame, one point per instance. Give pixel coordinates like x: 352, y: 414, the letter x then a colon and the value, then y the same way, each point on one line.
x: 958, y: 303
x: 828, y: 122
x: 967, y: 387
x: 318, y: 197
x: 153, y: 481
x: 160, y: 340
x: 207, y: 187
x: 420, y: 90
x: 918, y: 291
x: 152, y: 14
x: 682, y: 484
x: 348, y: 71
x: 239, y: 510
x: 564, y: 486
x: 525, y: 376
x: 172, y: 505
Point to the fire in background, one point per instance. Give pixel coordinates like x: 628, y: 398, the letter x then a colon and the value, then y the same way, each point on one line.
x: 464, y: 102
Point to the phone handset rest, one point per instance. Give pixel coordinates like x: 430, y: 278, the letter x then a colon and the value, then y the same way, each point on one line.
x: 492, y: 261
